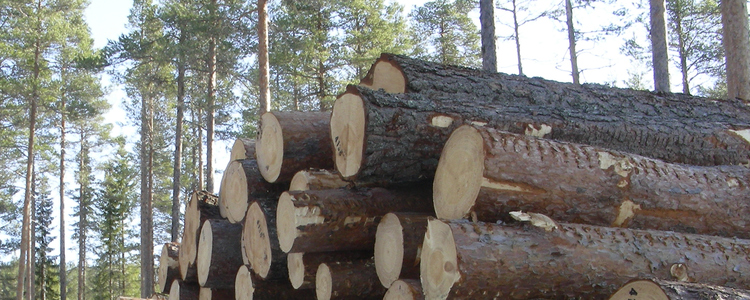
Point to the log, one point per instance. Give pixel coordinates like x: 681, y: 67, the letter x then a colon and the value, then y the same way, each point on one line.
x: 405, y: 289
x: 314, y: 179
x: 248, y: 287
x: 216, y: 294
x: 398, y: 242
x: 491, y: 172
x: 219, y: 254
x: 675, y: 128
x: 658, y: 289
x: 169, y: 266
x: 261, y: 242
x: 201, y: 207
x: 293, y: 141
x: 341, y: 219
x: 180, y: 290
x: 242, y: 149
x: 348, y: 280
x: 304, y: 266
x: 240, y: 185
x: 466, y: 260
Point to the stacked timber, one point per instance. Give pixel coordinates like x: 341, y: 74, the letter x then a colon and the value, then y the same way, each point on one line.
x: 429, y: 181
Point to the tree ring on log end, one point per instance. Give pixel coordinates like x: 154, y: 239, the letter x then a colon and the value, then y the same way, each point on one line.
x: 165, y: 263
x: 174, y: 291
x: 205, y: 249
x: 233, y: 192
x: 204, y: 294
x: 399, y: 290
x: 187, y: 253
x: 256, y: 233
x: 243, y: 284
x: 269, y: 149
x: 459, y: 173
x: 640, y: 289
x: 323, y: 282
x: 300, y: 181
x: 348, y: 133
x: 389, y: 249
x: 296, y: 267
x: 439, y: 262
x: 238, y: 150
x: 285, y: 222
x: 386, y: 75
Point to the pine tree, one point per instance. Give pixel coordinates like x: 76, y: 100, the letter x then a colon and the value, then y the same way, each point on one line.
x: 444, y: 33
x: 47, y: 270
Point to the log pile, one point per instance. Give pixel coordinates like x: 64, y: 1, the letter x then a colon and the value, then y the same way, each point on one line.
x: 429, y: 181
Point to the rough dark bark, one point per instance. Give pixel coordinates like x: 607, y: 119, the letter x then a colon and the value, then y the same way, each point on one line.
x: 293, y: 141
x: 249, y: 287
x: 341, y: 219
x: 674, y: 290
x: 737, y: 48
x: 219, y: 255
x: 180, y: 290
x: 671, y: 127
x: 659, y: 58
x: 202, y: 206
x: 492, y: 261
x: 263, y: 74
x: 177, y: 166
x: 242, y: 149
x: 63, y: 264
x: 261, y: 242
x: 241, y: 184
x: 487, y: 20
x: 398, y: 242
x: 211, y: 98
x: 585, y: 184
x: 348, y: 280
x: 169, y: 266
x: 405, y: 289
x: 303, y: 266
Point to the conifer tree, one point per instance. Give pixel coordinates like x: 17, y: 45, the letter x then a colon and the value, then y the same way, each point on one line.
x: 444, y: 33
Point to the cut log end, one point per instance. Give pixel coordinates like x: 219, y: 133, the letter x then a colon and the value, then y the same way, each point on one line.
x: 348, y: 133
x: 385, y: 74
x: 439, y: 261
x: 285, y: 222
x: 168, y: 265
x: 404, y: 290
x: 255, y: 233
x: 640, y: 289
x: 240, y: 149
x: 183, y: 291
x: 205, y: 249
x: 243, y: 284
x: 459, y: 174
x: 296, y: 267
x: 389, y: 249
x: 316, y: 180
x: 323, y: 282
x: 270, y: 147
x: 233, y: 192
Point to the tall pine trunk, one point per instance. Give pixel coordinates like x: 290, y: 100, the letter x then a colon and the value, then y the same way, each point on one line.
x: 681, y: 49
x: 487, y: 20
x: 175, y: 231
x: 660, y: 57
x: 63, y: 267
x: 737, y: 48
x: 146, y: 249
x: 210, y: 122
x: 572, y: 42
x: 82, y: 213
x: 517, y: 38
x: 265, y: 93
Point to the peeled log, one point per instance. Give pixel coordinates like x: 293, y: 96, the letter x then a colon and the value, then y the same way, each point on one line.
x: 405, y: 289
x: 261, y: 242
x: 675, y: 128
x: 398, y: 242
x: 216, y: 294
x: 242, y: 149
x: 248, y: 287
x: 219, y: 255
x: 201, y: 207
x: 656, y: 289
x: 341, y: 219
x: 304, y: 266
x: 348, y: 280
x: 169, y: 266
x: 293, y: 141
x: 180, y: 290
x: 491, y: 172
x: 314, y: 179
x: 241, y: 184
x: 465, y: 260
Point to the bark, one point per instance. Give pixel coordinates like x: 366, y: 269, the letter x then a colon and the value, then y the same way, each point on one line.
x: 465, y: 260
x: 737, y: 48
x: 348, y: 280
x: 219, y: 255
x: 682, y: 50
x: 674, y: 290
x: 211, y: 102
x: 303, y: 266
x: 249, y: 287
x: 180, y: 290
x: 659, y: 50
x: 178, y: 142
x: 261, y: 242
x: 572, y: 42
x: 314, y: 179
x: 169, y: 266
x: 83, y: 206
x: 671, y: 127
x: 506, y: 172
x: 487, y: 20
x: 146, y: 231
x: 63, y: 264
x: 293, y: 141
x: 202, y: 206
x: 241, y: 184
x: 405, y: 289
x: 398, y: 242
x: 264, y: 91
x: 216, y: 294
x: 340, y: 219
x: 517, y: 37
x: 242, y: 149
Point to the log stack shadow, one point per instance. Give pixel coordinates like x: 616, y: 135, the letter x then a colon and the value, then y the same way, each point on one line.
x: 429, y: 181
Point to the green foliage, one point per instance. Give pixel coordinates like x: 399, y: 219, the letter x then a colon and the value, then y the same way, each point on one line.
x: 444, y: 33
x: 47, y: 270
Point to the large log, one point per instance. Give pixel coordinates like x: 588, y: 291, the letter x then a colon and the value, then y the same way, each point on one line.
x: 314, y: 179
x: 261, y: 242
x: 293, y: 141
x: 216, y: 294
x: 465, y: 260
x: 657, y: 289
x: 348, y: 280
x: 672, y: 127
x: 398, y: 242
x: 241, y: 184
x: 180, y: 290
x: 219, y: 254
x: 341, y: 219
x: 249, y: 287
x: 242, y: 149
x: 491, y: 172
x: 304, y: 266
x: 201, y: 207
x: 169, y: 266
x: 405, y: 289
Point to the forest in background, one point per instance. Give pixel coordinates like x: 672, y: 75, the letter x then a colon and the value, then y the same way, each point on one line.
x: 189, y: 68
